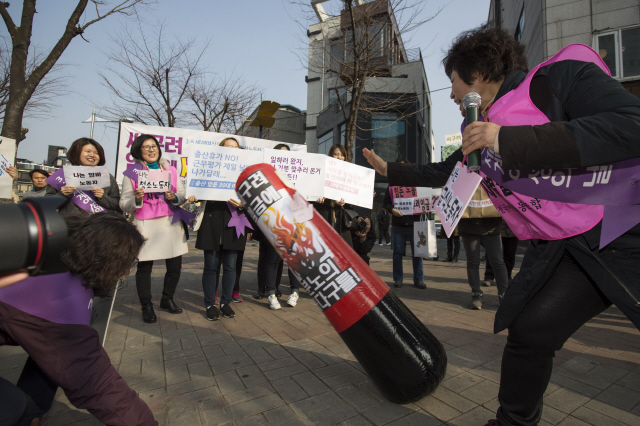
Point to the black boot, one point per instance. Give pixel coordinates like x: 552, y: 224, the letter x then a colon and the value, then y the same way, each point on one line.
x: 148, y: 315
x: 449, y: 258
x: 170, y: 306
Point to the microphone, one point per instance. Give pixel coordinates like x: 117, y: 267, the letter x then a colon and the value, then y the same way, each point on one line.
x: 471, y: 103
x: 401, y: 356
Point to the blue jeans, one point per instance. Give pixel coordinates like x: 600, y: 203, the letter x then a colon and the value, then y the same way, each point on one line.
x: 398, y: 243
x: 211, y: 259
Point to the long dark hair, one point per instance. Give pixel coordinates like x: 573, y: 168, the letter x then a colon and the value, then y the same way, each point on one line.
x: 486, y: 53
x: 101, y: 248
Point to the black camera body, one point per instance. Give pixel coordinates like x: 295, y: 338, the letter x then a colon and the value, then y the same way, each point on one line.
x: 32, y: 236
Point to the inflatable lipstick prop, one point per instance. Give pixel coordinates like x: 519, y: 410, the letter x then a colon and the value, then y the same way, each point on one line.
x: 403, y: 359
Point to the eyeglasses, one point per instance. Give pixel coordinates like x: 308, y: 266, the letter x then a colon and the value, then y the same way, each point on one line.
x: 150, y: 148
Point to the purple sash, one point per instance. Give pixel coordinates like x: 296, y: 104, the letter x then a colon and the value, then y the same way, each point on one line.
x: 177, y: 212
x: 59, y: 298
x: 85, y: 200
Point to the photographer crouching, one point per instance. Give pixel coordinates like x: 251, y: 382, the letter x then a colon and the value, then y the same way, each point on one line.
x: 363, y: 236
x: 48, y: 315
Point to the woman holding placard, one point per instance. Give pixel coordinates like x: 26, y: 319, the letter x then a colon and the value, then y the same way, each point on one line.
x: 333, y: 211
x: 89, y: 153
x: 159, y: 220
x: 219, y: 240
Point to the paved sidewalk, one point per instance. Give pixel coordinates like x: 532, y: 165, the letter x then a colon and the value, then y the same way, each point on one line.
x: 290, y: 367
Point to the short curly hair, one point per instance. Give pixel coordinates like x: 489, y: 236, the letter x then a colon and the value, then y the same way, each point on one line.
x: 489, y: 53
x: 101, y: 248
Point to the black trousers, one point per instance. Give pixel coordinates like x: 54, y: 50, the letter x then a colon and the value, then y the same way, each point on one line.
x: 171, y: 278
x: 568, y: 300
x: 452, y: 242
x: 384, y: 232
x: 509, y: 248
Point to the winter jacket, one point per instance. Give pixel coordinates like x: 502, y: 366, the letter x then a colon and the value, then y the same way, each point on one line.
x: 214, y: 231
x: 49, y: 317
x: 383, y: 220
x: 593, y: 121
x: 333, y: 215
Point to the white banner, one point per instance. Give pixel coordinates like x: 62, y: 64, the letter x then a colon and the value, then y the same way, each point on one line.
x: 86, y: 177
x: 414, y: 200
x: 214, y: 170
x: 350, y: 182
x: 175, y: 143
x: 154, y: 180
x: 304, y: 170
x: 7, y: 155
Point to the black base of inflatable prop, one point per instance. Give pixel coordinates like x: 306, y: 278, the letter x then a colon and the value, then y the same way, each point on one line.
x: 409, y: 362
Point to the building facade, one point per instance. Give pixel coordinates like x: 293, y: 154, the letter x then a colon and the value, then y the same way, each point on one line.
x: 610, y: 27
x: 288, y: 126
x: 395, y: 119
x: 56, y: 158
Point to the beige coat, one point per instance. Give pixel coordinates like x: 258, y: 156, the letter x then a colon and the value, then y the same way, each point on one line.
x: 164, y: 239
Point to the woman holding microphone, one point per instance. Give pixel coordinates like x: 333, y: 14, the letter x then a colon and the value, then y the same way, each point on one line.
x: 154, y: 218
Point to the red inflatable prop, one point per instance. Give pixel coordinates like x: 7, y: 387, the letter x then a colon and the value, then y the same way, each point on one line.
x: 400, y: 355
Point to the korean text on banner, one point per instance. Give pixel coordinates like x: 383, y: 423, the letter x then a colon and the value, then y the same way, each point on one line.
x: 7, y: 154
x: 214, y: 170
x: 414, y: 200
x: 154, y: 180
x: 304, y: 170
x: 175, y: 143
x: 456, y: 195
x: 87, y: 177
x: 350, y: 182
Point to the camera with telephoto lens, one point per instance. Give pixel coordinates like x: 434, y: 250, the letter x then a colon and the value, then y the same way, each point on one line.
x: 32, y: 236
x: 360, y: 225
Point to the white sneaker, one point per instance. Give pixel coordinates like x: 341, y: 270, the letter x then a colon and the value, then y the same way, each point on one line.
x: 273, y: 302
x: 293, y: 299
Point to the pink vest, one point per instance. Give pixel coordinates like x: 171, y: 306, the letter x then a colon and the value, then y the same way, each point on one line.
x: 154, y: 204
x: 529, y: 217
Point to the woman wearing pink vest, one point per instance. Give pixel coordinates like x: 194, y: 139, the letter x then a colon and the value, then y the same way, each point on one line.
x: 157, y: 217
x: 566, y: 118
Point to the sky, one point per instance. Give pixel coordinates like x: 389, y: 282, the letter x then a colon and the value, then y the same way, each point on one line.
x: 258, y: 40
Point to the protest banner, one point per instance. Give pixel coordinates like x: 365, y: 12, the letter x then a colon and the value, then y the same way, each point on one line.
x: 214, y: 170
x: 87, y: 177
x: 455, y: 197
x: 154, y: 180
x: 7, y: 154
x: 175, y: 143
x: 350, y: 182
x: 414, y: 200
x: 300, y: 167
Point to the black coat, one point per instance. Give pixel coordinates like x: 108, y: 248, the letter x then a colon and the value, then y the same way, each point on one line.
x: 333, y: 214
x: 214, y: 231
x: 364, y: 247
x: 383, y: 220
x: 594, y: 121
x: 403, y: 224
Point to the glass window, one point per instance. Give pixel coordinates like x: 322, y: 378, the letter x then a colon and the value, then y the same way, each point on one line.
x: 324, y: 143
x: 60, y: 151
x: 630, y: 52
x: 335, y: 92
x: 607, y: 51
x: 388, y: 136
x: 336, y: 54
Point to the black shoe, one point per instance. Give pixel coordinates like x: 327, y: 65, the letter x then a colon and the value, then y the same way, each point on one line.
x: 449, y: 258
x: 170, y: 306
x: 212, y: 313
x: 226, y: 310
x: 259, y: 295
x: 148, y: 315
x: 397, y: 284
x: 421, y: 285
x: 455, y: 259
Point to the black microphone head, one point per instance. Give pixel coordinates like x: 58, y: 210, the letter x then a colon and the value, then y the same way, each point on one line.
x: 471, y: 98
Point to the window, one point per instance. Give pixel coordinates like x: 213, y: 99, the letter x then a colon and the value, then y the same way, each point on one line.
x: 620, y: 50
x: 520, y: 27
x: 324, y: 143
x: 335, y: 92
x: 336, y: 54
x: 388, y: 136
x: 61, y: 151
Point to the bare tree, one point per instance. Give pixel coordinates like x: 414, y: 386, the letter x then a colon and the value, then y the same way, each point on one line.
x: 51, y: 88
x: 149, y: 76
x: 358, y: 51
x: 23, y: 84
x: 220, y: 105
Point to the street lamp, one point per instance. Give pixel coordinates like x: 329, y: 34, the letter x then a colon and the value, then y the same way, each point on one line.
x: 95, y: 119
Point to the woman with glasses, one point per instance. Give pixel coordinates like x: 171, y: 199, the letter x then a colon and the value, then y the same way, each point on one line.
x: 154, y: 218
x: 89, y: 153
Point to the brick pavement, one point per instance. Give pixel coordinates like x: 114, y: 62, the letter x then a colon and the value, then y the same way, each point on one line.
x: 290, y: 367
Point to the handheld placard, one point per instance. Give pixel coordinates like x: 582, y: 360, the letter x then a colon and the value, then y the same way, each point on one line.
x: 471, y: 103
x: 401, y: 356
